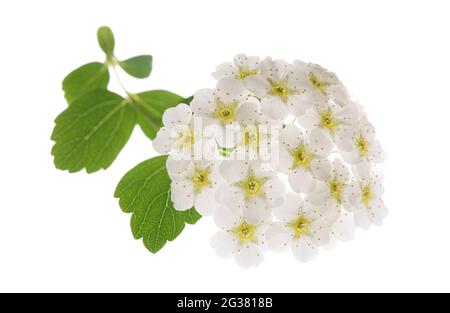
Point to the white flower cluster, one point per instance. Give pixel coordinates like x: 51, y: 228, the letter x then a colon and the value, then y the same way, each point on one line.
x: 268, y: 125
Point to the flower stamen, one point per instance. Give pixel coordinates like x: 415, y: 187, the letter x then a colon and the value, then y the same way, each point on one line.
x: 336, y: 189
x: 245, y: 232
x: 244, y: 73
x: 300, y: 227
x: 226, y: 113
x: 302, y: 157
x: 200, y: 179
x: 366, y: 194
x: 317, y: 84
x: 328, y: 121
x: 363, y: 146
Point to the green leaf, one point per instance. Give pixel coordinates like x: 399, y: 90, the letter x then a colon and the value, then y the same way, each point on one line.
x: 151, y: 106
x: 138, y: 67
x: 106, y: 40
x: 145, y: 192
x: 89, y: 77
x: 92, y: 131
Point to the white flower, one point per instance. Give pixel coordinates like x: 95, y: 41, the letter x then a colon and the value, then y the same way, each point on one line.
x: 302, y: 229
x: 251, y: 188
x: 256, y: 136
x: 239, y: 238
x: 365, y: 148
x: 194, y: 184
x: 338, y: 120
x: 179, y: 136
x: 243, y: 69
x: 319, y: 85
x: 304, y: 157
x: 331, y: 193
x: 219, y: 106
x: 365, y: 197
x: 277, y: 87
x: 223, y: 107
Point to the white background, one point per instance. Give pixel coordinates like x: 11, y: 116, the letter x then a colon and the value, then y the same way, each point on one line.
x: 66, y: 232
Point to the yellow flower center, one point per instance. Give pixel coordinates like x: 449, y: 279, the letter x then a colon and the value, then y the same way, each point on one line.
x: 363, y: 146
x: 300, y: 227
x: 246, y: 232
x: 328, y: 121
x: 367, y: 195
x: 252, y: 187
x: 186, y: 139
x: 251, y: 136
x: 336, y: 189
x: 244, y: 73
x: 200, y: 179
x: 302, y: 157
x: 226, y: 113
x: 317, y: 84
x: 281, y: 90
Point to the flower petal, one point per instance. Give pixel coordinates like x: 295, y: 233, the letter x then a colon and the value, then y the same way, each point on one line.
x: 320, y: 196
x: 229, y: 90
x: 234, y: 171
x: 182, y: 195
x: 274, y: 191
x: 297, y: 105
x: 179, y: 115
x: 177, y: 168
x: 344, y: 228
x: 376, y: 153
x: 278, y: 237
x: 225, y: 218
x: 224, y: 243
x: 204, y: 102
x: 304, y: 249
x: 291, y: 136
x: 249, y: 255
x: 164, y: 141
x: 274, y: 107
x: 289, y: 210
x: 205, y: 203
x: 257, y: 210
x: 248, y: 113
x: 301, y: 181
x: 224, y: 70
x: 320, y: 143
x: 321, y: 169
x: 310, y: 120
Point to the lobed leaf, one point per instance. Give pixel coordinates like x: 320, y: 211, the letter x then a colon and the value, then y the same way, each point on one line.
x: 145, y: 192
x: 91, y: 132
x: 85, y: 79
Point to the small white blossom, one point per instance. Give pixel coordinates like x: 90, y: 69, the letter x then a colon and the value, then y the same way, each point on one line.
x: 251, y: 188
x: 319, y: 85
x: 338, y: 121
x: 240, y: 238
x: 331, y: 192
x: 242, y: 70
x: 180, y: 138
x: 365, y: 198
x: 257, y: 136
x: 365, y: 148
x: 194, y: 184
x: 224, y: 107
x: 278, y: 90
x: 304, y: 157
x: 302, y: 229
